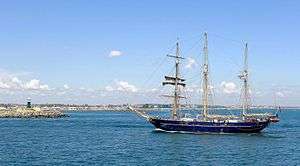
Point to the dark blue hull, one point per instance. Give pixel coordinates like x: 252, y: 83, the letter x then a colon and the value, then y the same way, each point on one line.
x: 201, y: 126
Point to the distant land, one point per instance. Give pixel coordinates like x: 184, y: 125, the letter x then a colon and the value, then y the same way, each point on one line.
x: 122, y: 107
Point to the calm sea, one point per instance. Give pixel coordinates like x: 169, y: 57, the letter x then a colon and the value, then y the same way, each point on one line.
x: 118, y: 138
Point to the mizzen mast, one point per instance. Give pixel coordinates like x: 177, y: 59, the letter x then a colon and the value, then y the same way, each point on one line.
x: 245, y: 89
x: 205, y: 85
x: 176, y: 81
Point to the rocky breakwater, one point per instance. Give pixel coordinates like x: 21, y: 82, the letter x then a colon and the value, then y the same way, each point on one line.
x: 30, y: 113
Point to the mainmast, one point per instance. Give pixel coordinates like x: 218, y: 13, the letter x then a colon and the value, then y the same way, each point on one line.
x: 244, y: 77
x: 176, y: 81
x: 205, y: 86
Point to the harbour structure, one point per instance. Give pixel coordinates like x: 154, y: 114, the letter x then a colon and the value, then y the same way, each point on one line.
x: 206, y: 121
x: 30, y: 112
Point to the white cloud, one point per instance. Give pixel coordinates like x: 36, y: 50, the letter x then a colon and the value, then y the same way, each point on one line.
x: 259, y: 93
x: 35, y: 85
x: 153, y: 90
x: 125, y: 86
x: 115, y: 53
x: 122, y: 86
x: 189, y: 89
x: 109, y: 88
x: 229, y: 87
x: 190, y: 63
x: 193, y: 88
x: 280, y: 94
x: 4, y: 85
x: 12, y: 82
x: 16, y: 80
x: 90, y: 90
x: 9, y: 82
x: 82, y: 88
x: 66, y: 86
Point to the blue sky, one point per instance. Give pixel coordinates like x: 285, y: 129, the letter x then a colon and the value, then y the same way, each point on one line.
x: 59, y: 51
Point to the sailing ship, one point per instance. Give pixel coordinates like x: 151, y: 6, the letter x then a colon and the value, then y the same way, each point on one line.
x: 207, y: 121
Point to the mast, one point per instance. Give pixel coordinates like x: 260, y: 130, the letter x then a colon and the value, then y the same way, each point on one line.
x: 244, y: 77
x: 176, y: 81
x: 205, y: 86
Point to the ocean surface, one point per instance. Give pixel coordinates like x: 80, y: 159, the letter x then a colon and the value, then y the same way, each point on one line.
x: 122, y: 138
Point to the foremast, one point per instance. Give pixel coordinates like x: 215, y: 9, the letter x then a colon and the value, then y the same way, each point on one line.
x: 205, y: 72
x: 176, y: 81
x: 245, y: 95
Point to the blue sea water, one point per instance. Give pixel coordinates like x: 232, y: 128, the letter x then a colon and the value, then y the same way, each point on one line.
x: 122, y: 138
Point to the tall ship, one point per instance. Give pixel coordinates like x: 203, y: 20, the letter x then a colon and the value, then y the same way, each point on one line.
x: 206, y: 121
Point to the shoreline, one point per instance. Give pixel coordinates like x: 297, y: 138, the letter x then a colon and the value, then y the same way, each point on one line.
x: 167, y: 109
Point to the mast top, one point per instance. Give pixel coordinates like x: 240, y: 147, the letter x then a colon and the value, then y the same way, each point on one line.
x: 177, y: 56
x: 205, y: 52
x: 246, y: 57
